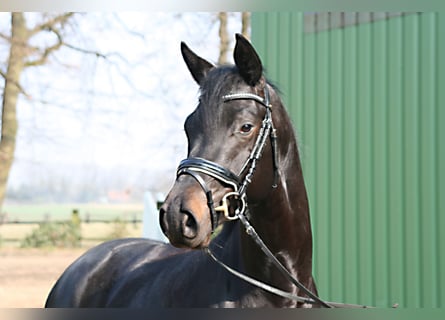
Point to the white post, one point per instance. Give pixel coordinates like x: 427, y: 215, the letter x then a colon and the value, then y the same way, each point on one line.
x: 150, y: 218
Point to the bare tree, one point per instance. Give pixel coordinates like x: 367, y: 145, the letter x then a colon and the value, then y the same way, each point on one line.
x: 55, y: 74
x: 224, y: 42
x: 245, y: 24
x: 224, y: 39
x: 24, y: 53
x: 16, y: 63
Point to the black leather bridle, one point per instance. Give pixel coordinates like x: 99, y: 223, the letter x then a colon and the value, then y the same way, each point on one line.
x: 195, y: 166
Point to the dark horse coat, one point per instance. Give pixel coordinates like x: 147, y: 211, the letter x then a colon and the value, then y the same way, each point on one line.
x: 144, y: 273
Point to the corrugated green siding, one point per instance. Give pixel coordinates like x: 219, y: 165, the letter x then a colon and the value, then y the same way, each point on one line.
x: 368, y: 105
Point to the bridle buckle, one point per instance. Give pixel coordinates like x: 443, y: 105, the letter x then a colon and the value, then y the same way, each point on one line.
x: 226, y: 202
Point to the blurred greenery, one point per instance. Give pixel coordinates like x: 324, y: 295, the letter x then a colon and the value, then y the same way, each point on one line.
x: 119, y: 230
x: 62, y: 212
x: 53, y: 234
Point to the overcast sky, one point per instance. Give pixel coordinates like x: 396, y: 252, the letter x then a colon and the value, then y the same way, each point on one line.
x: 126, y: 111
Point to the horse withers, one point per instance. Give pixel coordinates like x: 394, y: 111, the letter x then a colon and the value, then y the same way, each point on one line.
x: 242, y: 167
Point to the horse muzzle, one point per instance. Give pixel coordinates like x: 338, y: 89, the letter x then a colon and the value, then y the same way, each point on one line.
x: 184, y: 217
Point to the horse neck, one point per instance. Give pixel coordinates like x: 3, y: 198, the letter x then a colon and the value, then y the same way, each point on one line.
x: 282, y: 219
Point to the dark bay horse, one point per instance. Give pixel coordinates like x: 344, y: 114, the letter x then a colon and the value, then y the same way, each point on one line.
x: 243, y: 164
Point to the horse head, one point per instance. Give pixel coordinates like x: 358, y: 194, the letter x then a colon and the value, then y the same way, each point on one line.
x: 223, y: 132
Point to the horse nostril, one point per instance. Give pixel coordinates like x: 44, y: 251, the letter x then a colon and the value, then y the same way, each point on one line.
x: 163, y: 220
x: 189, y: 225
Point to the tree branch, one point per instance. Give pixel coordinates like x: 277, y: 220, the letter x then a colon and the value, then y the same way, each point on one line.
x: 60, y: 42
x: 86, y: 51
x: 223, y: 38
x: 5, y: 37
x: 44, y: 57
x: 15, y: 83
x: 245, y: 24
x: 49, y: 25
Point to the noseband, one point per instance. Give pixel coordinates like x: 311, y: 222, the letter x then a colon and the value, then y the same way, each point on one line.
x: 196, y: 166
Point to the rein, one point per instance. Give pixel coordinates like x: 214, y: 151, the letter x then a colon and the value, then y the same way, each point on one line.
x: 282, y: 293
x: 196, y: 166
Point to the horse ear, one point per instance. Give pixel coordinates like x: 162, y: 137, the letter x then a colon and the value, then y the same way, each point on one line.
x: 247, y: 61
x: 197, y: 66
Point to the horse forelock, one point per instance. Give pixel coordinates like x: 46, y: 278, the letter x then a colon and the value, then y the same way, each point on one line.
x: 210, y: 112
x: 219, y: 82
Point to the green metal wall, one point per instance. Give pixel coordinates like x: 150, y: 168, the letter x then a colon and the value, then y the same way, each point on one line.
x: 368, y: 105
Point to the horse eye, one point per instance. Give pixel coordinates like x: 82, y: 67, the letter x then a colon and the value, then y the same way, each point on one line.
x: 246, y: 128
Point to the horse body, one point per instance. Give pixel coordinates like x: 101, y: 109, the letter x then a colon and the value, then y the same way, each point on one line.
x: 144, y: 273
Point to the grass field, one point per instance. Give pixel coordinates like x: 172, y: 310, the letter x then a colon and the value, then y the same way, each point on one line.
x: 59, y: 212
x: 27, y: 274
x: 26, y: 218
x: 92, y: 233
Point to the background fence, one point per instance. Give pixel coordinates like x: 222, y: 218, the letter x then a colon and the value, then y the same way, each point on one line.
x: 95, y: 222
